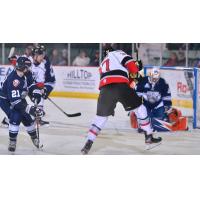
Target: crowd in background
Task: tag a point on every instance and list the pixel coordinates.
(82, 54)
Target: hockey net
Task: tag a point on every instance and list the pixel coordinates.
(184, 84)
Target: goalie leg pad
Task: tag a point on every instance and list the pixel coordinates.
(180, 125)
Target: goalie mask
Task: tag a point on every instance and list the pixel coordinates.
(154, 75)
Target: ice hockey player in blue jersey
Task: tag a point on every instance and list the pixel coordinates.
(14, 89)
(43, 76)
(156, 94)
(33, 92)
(156, 98)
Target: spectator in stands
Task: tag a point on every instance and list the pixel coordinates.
(172, 61)
(95, 60)
(194, 46)
(182, 60)
(197, 63)
(64, 58)
(28, 50)
(81, 60)
(54, 57)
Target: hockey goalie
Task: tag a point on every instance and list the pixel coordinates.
(157, 99)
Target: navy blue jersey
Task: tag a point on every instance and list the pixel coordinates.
(13, 89)
(31, 85)
(156, 94)
(49, 74)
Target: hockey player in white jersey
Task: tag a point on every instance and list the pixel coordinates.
(43, 75)
(114, 87)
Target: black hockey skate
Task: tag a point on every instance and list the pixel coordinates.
(5, 123)
(152, 142)
(12, 145)
(87, 147)
(36, 142)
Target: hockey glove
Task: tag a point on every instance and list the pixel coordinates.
(36, 96)
(135, 77)
(34, 111)
(24, 94)
(139, 64)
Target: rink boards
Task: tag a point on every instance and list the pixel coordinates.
(82, 82)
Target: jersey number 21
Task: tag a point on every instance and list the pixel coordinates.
(15, 93)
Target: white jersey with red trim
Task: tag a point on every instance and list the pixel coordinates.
(115, 68)
(38, 72)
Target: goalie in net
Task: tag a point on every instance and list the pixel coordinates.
(157, 99)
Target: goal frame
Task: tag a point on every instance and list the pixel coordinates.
(195, 90)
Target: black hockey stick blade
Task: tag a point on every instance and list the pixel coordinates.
(73, 115)
(68, 115)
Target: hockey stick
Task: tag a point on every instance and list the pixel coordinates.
(11, 53)
(37, 118)
(136, 50)
(68, 115)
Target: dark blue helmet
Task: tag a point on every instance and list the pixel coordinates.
(23, 63)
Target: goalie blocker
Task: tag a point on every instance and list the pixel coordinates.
(176, 122)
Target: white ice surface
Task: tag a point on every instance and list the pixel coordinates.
(66, 136)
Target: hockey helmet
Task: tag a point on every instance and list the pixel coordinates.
(23, 63)
(42, 47)
(154, 74)
(38, 50)
(107, 49)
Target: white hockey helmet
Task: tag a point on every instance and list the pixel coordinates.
(154, 74)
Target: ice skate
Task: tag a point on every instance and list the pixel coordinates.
(87, 147)
(36, 142)
(12, 145)
(152, 142)
(5, 123)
